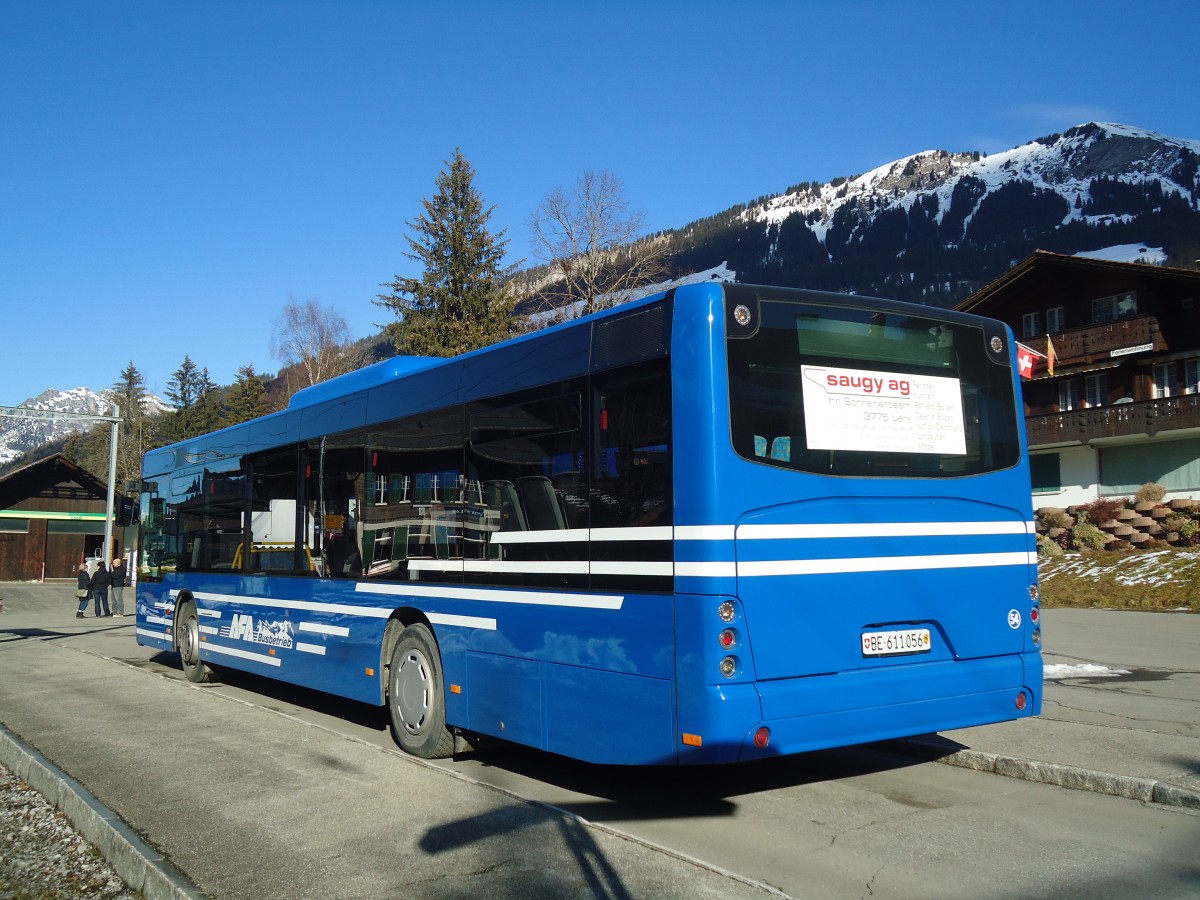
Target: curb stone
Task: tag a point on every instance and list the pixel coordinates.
(1146, 790)
(137, 863)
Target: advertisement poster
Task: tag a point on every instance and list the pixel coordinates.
(860, 409)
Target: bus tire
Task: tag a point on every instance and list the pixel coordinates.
(187, 638)
(416, 696)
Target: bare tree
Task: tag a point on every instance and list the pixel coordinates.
(593, 245)
(314, 338)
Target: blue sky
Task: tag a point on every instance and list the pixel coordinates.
(172, 172)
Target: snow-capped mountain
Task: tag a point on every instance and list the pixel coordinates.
(1065, 164)
(19, 435)
(935, 225)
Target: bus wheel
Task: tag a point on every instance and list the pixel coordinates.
(187, 636)
(416, 698)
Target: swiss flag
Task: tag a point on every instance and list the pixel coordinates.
(1026, 360)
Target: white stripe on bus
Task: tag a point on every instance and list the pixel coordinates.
(492, 595)
(479, 622)
(241, 654)
(883, 564)
(879, 529)
(499, 566)
(338, 630)
(752, 531)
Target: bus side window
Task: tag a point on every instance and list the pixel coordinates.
(631, 477)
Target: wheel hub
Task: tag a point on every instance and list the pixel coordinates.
(410, 692)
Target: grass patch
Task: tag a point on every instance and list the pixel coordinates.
(1149, 580)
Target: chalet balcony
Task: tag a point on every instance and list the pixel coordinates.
(1082, 346)
(1146, 418)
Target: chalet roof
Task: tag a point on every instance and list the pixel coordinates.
(31, 480)
(1043, 262)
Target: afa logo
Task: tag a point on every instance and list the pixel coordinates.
(242, 627)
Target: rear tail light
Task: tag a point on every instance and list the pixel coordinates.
(729, 666)
(1021, 700)
(762, 737)
(728, 638)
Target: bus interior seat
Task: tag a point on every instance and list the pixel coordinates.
(344, 558)
(542, 511)
(760, 445)
(781, 448)
(502, 495)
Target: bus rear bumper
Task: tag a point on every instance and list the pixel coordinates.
(822, 711)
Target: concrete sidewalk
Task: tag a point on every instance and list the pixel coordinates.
(1121, 711)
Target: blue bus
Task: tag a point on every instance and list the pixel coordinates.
(721, 523)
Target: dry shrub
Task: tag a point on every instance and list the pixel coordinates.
(1150, 493)
(1051, 517)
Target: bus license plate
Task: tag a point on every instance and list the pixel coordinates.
(896, 643)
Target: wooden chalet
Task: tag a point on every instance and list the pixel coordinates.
(51, 518)
(1122, 405)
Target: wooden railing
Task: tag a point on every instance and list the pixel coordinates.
(1149, 417)
(1093, 342)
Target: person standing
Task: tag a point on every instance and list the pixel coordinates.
(118, 588)
(101, 579)
(83, 590)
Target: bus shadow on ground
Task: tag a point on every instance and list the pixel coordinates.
(278, 695)
(643, 792)
(623, 792)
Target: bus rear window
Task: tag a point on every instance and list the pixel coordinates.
(845, 391)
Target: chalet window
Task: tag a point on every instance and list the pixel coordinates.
(1162, 380)
(1191, 376)
(1096, 390)
(14, 526)
(1054, 319)
(1117, 306)
(1031, 324)
(1044, 472)
(1068, 395)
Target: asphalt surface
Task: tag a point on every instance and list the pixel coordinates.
(1125, 720)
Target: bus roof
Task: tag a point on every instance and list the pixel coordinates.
(368, 376)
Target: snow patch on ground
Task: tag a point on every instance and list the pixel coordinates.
(1152, 568)
(1060, 671)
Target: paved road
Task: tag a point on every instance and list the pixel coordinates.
(255, 791)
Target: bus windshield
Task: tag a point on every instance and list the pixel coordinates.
(840, 390)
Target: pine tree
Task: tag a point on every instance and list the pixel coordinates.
(460, 302)
(197, 403)
(207, 413)
(247, 398)
(136, 434)
(182, 388)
